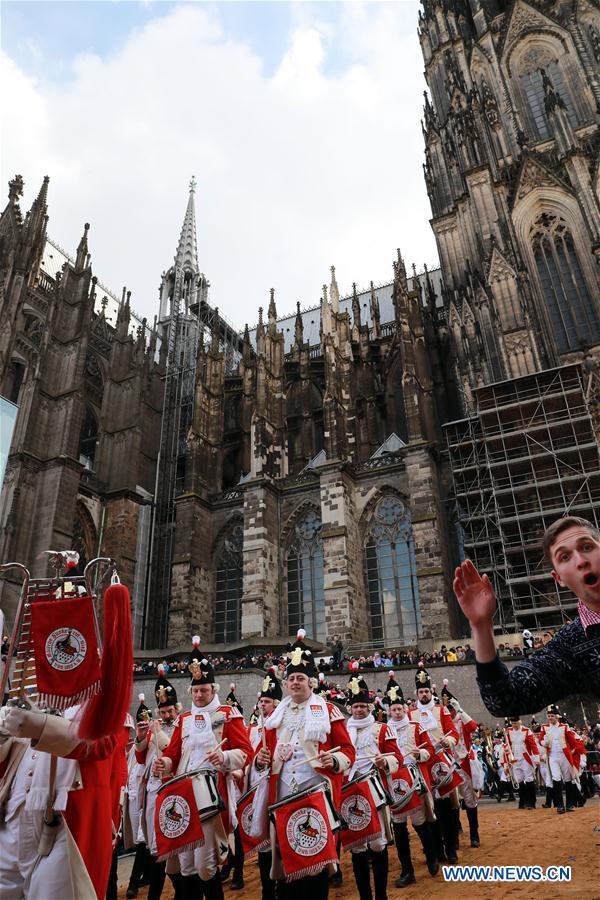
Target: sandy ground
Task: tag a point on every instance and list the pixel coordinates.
(508, 837)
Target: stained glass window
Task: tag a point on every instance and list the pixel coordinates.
(306, 595)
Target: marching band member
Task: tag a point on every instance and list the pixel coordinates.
(232, 700)
(375, 746)
(523, 759)
(544, 769)
(466, 728)
(268, 699)
(501, 755)
(437, 722)
(152, 737)
(196, 741)
(561, 745)
(415, 747)
(133, 835)
(307, 744)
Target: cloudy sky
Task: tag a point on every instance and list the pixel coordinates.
(300, 122)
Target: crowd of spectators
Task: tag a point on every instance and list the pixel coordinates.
(338, 660)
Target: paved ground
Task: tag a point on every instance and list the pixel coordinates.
(508, 837)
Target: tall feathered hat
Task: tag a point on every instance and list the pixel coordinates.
(143, 714)
(357, 691)
(271, 686)
(393, 694)
(200, 669)
(321, 687)
(232, 700)
(422, 679)
(164, 691)
(300, 659)
(391, 682)
(553, 710)
(447, 696)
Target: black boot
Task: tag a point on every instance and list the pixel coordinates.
(426, 836)
(362, 874)
(379, 861)
(175, 880)
(213, 888)
(571, 793)
(558, 796)
(532, 795)
(157, 880)
(237, 881)
(137, 871)
(436, 828)
(473, 825)
(192, 887)
(264, 867)
(548, 803)
(521, 795)
(448, 829)
(458, 828)
(511, 793)
(407, 875)
(500, 791)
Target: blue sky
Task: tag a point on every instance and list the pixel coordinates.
(300, 122)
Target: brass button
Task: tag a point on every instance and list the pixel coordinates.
(34, 755)
(30, 773)
(27, 789)
(77, 784)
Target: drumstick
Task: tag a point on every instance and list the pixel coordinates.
(155, 732)
(263, 732)
(312, 758)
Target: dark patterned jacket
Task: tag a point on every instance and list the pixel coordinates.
(569, 664)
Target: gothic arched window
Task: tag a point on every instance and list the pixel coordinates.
(229, 575)
(533, 89)
(88, 439)
(572, 313)
(392, 576)
(306, 594)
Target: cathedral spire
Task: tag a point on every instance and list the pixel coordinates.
(187, 251)
(82, 250)
(334, 293)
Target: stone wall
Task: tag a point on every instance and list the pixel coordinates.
(461, 680)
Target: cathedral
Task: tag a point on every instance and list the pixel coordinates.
(328, 467)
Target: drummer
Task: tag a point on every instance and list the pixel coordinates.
(376, 748)
(437, 722)
(416, 747)
(268, 699)
(150, 735)
(301, 734)
(211, 736)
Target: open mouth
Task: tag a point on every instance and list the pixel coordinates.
(590, 579)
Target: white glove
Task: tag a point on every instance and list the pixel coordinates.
(582, 762)
(21, 723)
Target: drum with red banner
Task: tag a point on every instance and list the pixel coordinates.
(245, 813)
(444, 773)
(305, 824)
(362, 798)
(177, 823)
(406, 787)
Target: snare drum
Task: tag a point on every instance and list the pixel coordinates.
(332, 814)
(206, 793)
(406, 787)
(445, 773)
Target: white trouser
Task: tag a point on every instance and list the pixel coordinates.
(149, 817)
(560, 768)
(466, 792)
(23, 873)
(545, 774)
(416, 816)
(205, 861)
(522, 771)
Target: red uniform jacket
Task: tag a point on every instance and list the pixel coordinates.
(530, 743)
(337, 737)
(467, 729)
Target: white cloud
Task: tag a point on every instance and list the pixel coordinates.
(296, 170)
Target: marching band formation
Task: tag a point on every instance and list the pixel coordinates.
(198, 792)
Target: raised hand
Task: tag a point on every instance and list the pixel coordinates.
(475, 594)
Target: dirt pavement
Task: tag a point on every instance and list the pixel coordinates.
(508, 837)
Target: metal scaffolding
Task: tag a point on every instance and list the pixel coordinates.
(528, 456)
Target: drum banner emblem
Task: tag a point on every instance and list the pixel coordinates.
(360, 814)
(245, 812)
(305, 837)
(67, 662)
(176, 822)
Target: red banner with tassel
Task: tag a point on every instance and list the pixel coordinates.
(67, 662)
(177, 824)
(305, 837)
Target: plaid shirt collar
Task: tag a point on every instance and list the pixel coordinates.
(588, 616)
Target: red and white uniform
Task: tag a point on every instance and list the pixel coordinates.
(523, 753)
(415, 747)
(370, 738)
(561, 744)
(437, 722)
(149, 784)
(502, 760)
(298, 732)
(465, 727)
(196, 733)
